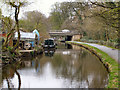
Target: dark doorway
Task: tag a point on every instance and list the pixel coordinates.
(68, 38)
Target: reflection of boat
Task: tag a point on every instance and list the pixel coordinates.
(49, 43)
(49, 52)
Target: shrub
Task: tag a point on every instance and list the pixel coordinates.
(109, 43)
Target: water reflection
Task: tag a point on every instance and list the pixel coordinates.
(63, 46)
(49, 52)
(64, 68)
(8, 73)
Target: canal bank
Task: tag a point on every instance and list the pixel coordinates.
(68, 66)
(8, 58)
(109, 63)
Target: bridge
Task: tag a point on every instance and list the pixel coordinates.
(65, 35)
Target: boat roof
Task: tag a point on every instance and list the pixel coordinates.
(49, 39)
(25, 35)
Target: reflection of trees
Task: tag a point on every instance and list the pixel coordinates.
(61, 45)
(64, 46)
(19, 79)
(84, 54)
(37, 64)
(85, 68)
(68, 46)
(79, 66)
(8, 73)
(8, 83)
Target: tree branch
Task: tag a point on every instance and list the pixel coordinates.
(102, 5)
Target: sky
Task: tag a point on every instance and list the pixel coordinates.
(44, 6)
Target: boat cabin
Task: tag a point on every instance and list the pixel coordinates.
(49, 43)
(28, 40)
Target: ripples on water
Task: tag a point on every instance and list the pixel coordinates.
(66, 67)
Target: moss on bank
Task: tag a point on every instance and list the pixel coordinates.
(107, 61)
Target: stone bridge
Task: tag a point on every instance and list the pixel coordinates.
(65, 35)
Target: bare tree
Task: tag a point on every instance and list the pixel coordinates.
(16, 5)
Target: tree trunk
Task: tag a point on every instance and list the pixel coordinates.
(107, 35)
(17, 24)
(7, 38)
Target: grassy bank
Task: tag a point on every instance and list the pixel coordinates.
(109, 63)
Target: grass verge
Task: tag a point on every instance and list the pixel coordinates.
(109, 63)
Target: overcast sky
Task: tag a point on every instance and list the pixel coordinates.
(44, 6)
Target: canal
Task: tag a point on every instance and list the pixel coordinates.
(65, 67)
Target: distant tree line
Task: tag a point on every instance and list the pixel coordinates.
(35, 20)
(95, 20)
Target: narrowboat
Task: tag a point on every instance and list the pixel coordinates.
(49, 43)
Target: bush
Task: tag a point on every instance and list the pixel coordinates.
(101, 42)
(10, 48)
(109, 43)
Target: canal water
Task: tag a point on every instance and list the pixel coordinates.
(65, 67)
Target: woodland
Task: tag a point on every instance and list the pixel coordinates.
(96, 21)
